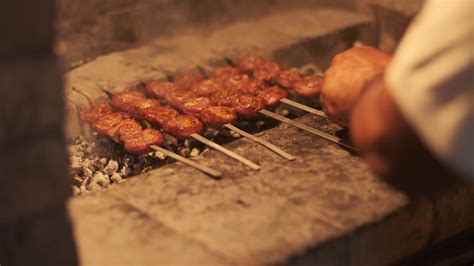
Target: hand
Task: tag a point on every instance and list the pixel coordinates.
(391, 148)
(346, 78)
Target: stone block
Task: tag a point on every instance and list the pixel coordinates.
(128, 235)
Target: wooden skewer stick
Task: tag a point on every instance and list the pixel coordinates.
(200, 167)
(263, 142)
(307, 128)
(226, 151)
(303, 107)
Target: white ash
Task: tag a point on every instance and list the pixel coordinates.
(97, 163)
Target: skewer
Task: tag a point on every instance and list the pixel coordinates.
(303, 107)
(226, 151)
(263, 142)
(186, 161)
(307, 128)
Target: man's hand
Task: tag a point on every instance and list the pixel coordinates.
(345, 79)
(391, 148)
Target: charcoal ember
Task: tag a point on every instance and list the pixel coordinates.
(75, 163)
(126, 171)
(76, 190)
(103, 161)
(87, 172)
(128, 160)
(210, 133)
(111, 167)
(184, 152)
(159, 155)
(234, 134)
(78, 140)
(99, 179)
(116, 178)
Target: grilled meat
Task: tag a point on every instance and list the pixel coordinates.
(182, 126)
(218, 116)
(94, 112)
(272, 95)
(308, 87)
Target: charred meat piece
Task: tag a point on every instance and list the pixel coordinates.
(131, 103)
(287, 78)
(194, 106)
(159, 89)
(253, 86)
(218, 116)
(308, 87)
(224, 97)
(236, 82)
(94, 112)
(267, 71)
(224, 72)
(248, 105)
(187, 81)
(207, 87)
(178, 97)
(128, 128)
(109, 125)
(159, 115)
(182, 126)
(140, 142)
(248, 64)
(272, 95)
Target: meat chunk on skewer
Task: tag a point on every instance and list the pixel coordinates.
(159, 89)
(224, 72)
(179, 97)
(133, 103)
(207, 87)
(94, 112)
(224, 97)
(308, 87)
(182, 126)
(109, 125)
(253, 86)
(196, 105)
(128, 128)
(159, 115)
(120, 128)
(187, 81)
(218, 116)
(140, 142)
(272, 95)
(236, 82)
(287, 78)
(248, 64)
(267, 71)
(248, 105)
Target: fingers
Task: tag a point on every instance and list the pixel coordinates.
(391, 148)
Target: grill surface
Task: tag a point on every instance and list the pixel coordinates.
(325, 206)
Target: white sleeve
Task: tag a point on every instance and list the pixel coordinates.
(431, 80)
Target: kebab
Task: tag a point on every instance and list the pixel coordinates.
(194, 97)
(235, 92)
(272, 72)
(272, 96)
(122, 129)
(181, 126)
